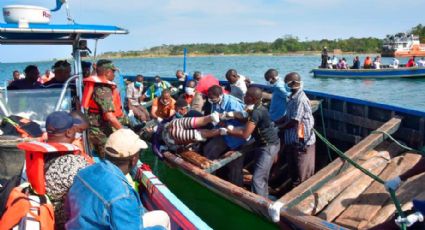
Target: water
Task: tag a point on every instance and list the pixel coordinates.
(407, 93)
(215, 210)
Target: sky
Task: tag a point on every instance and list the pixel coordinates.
(156, 22)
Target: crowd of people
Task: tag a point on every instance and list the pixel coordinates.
(334, 62)
(197, 113)
(265, 124)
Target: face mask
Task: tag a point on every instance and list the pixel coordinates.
(275, 82)
(189, 91)
(287, 88)
(137, 84)
(78, 135)
(250, 107)
(219, 100)
(181, 79)
(165, 102)
(179, 115)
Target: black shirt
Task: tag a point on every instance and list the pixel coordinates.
(265, 132)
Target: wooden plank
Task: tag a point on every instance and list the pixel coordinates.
(408, 191)
(342, 136)
(352, 119)
(314, 203)
(247, 199)
(326, 173)
(367, 123)
(217, 164)
(368, 203)
(349, 195)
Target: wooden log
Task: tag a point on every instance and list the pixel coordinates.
(246, 199)
(406, 193)
(196, 159)
(313, 183)
(326, 173)
(359, 214)
(314, 203)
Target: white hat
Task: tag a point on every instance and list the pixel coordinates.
(125, 143)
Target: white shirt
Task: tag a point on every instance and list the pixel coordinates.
(377, 64)
(239, 89)
(421, 63)
(396, 62)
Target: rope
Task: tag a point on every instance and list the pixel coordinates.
(324, 131)
(365, 171)
(398, 143)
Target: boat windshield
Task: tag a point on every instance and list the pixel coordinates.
(34, 104)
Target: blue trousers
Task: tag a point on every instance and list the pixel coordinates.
(264, 156)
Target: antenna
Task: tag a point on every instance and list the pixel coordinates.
(59, 4)
(68, 12)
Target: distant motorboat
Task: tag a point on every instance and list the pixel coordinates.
(402, 45)
(413, 72)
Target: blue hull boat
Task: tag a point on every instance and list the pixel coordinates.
(417, 72)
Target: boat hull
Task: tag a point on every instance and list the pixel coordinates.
(339, 112)
(370, 73)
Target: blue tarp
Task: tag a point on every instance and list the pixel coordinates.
(11, 33)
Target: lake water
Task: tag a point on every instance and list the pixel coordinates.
(408, 93)
(215, 210)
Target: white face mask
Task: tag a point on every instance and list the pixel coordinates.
(78, 135)
(219, 100)
(190, 91)
(249, 107)
(275, 82)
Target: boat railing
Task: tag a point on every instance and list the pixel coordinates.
(63, 92)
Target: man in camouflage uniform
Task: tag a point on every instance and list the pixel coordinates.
(103, 108)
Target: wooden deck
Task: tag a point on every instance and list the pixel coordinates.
(355, 201)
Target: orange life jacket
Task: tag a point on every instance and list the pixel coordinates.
(27, 211)
(88, 102)
(35, 153)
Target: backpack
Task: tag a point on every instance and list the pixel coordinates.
(27, 210)
(19, 126)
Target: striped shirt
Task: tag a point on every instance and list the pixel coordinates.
(298, 108)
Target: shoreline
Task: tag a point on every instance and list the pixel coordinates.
(292, 54)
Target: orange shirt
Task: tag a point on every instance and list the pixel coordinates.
(163, 111)
(188, 98)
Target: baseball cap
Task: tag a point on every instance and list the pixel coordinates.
(125, 143)
(106, 64)
(60, 121)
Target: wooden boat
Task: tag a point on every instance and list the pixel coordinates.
(41, 102)
(385, 73)
(357, 127)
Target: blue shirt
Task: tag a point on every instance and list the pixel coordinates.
(229, 104)
(278, 103)
(102, 198)
(157, 90)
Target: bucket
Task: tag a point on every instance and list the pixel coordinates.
(12, 159)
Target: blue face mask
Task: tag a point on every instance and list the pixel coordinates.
(178, 115)
(288, 89)
(137, 84)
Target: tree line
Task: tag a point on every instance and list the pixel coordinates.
(283, 45)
